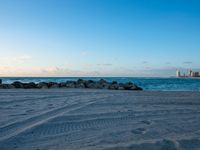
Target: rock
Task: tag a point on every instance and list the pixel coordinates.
(42, 85)
(93, 85)
(50, 84)
(114, 86)
(102, 81)
(105, 85)
(131, 86)
(0, 81)
(136, 88)
(80, 85)
(70, 84)
(55, 85)
(62, 84)
(120, 88)
(17, 84)
(127, 86)
(6, 86)
(30, 85)
(114, 82)
(80, 81)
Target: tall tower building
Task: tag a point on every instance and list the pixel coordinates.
(190, 74)
(178, 73)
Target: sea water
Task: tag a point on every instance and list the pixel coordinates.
(154, 84)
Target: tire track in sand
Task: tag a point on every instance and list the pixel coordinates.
(19, 127)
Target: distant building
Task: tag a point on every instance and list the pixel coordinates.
(178, 73)
(196, 74)
(190, 74)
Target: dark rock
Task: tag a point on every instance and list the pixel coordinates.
(102, 81)
(90, 85)
(70, 84)
(55, 85)
(127, 86)
(0, 81)
(6, 86)
(114, 82)
(136, 88)
(42, 85)
(30, 85)
(131, 86)
(62, 84)
(18, 84)
(121, 88)
(93, 85)
(50, 84)
(114, 86)
(80, 81)
(80, 85)
(105, 85)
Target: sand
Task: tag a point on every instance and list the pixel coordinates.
(99, 119)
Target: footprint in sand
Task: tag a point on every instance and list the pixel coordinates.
(147, 122)
(139, 131)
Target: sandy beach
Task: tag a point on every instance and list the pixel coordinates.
(98, 119)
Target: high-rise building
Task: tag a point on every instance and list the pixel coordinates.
(190, 74)
(196, 74)
(178, 73)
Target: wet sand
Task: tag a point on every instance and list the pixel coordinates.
(99, 119)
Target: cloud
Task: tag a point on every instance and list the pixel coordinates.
(84, 53)
(187, 62)
(20, 59)
(168, 63)
(144, 62)
(105, 64)
(44, 71)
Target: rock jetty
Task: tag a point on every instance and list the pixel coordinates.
(80, 83)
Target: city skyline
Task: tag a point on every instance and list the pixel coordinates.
(99, 38)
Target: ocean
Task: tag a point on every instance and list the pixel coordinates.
(150, 84)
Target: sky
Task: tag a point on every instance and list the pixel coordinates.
(133, 38)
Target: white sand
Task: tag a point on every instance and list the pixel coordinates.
(99, 119)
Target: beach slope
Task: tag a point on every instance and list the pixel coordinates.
(44, 119)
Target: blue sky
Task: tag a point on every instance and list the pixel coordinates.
(98, 37)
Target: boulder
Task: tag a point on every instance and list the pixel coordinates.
(17, 84)
(136, 88)
(120, 88)
(6, 86)
(131, 86)
(105, 85)
(113, 86)
(62, 85)
(81, 81)
(70, 84)
(80, 85)
(50, 84)
(114, 82)
(102, 81)
(93, 85)
(42, 85)
(55, 85)
(30, 85)
(128, 85)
